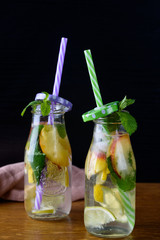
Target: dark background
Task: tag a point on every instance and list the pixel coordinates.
(124, 37)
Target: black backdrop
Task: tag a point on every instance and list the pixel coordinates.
(124, 38)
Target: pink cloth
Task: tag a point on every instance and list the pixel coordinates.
(12, 182)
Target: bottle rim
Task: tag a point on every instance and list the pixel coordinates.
(55, 100)
(106, 121)
(55, 108)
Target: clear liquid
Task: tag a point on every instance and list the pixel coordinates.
(47, 189)
(117, 228)
(110, 186)
(56, 200)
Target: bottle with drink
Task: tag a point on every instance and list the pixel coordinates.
(48, 161)
(110, 168)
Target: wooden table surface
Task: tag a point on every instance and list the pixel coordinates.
(15, 224)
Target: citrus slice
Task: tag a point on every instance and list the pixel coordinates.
(66, 177)
(30, 174)
(98, 193)
(44, 211)
(112, 201)
(96, 216)
(95, 163)
(55, 148)
(102, 176)
(109, 198)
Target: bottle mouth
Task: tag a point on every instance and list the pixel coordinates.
(104, 121)
(55, 108)
(110, 119)
(58, 104)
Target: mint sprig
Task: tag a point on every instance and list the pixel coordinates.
(35, 155)
(45, 105)
(125, 103)
(128, 121)
(33, 103)
(126, 184)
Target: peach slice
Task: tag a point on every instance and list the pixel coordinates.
(95, 163)
(56, 149)
(122, 157)
(100, 162)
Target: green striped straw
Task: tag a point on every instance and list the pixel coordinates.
(93, 77)
(130, 212)
(92, 73)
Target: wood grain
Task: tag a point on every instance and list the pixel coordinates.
(15, 224)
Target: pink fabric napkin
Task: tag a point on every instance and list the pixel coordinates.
(12, 182)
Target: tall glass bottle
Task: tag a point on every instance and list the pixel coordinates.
(48, 164)
(110, 181)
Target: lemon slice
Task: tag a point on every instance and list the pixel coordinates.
(43, 211)
(96, 216)
(66, 177)
(56, 149)
(98, 193)
(111, 200)
(30, 174)
(102, 176)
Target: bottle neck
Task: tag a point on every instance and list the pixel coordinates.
(108, 126)
(55, 116)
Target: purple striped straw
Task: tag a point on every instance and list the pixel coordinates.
(59, 69)
(58, 75)
(56, 87)
(38, 199)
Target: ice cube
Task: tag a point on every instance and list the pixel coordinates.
(101, 146)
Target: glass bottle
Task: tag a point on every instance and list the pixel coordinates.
(110, 181)
(47, 187)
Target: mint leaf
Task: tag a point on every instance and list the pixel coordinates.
(30, 104)
(45, 105)
(126, 184)
(35, 156)
(128, 121)
(125, 103)
(61, 130)
(45, 108)
(38, 164)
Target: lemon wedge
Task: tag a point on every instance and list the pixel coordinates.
(102, 176)
(98, 193)
(55, 148)
(96, 216)
(111, 200)
(44, 211)
(66, 177)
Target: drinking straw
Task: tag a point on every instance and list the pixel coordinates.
(56, 87)
(39, 193)
(59, 69)
(93, 77)
(124, 196)
(128, 207)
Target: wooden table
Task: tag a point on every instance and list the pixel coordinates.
(15, 224)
